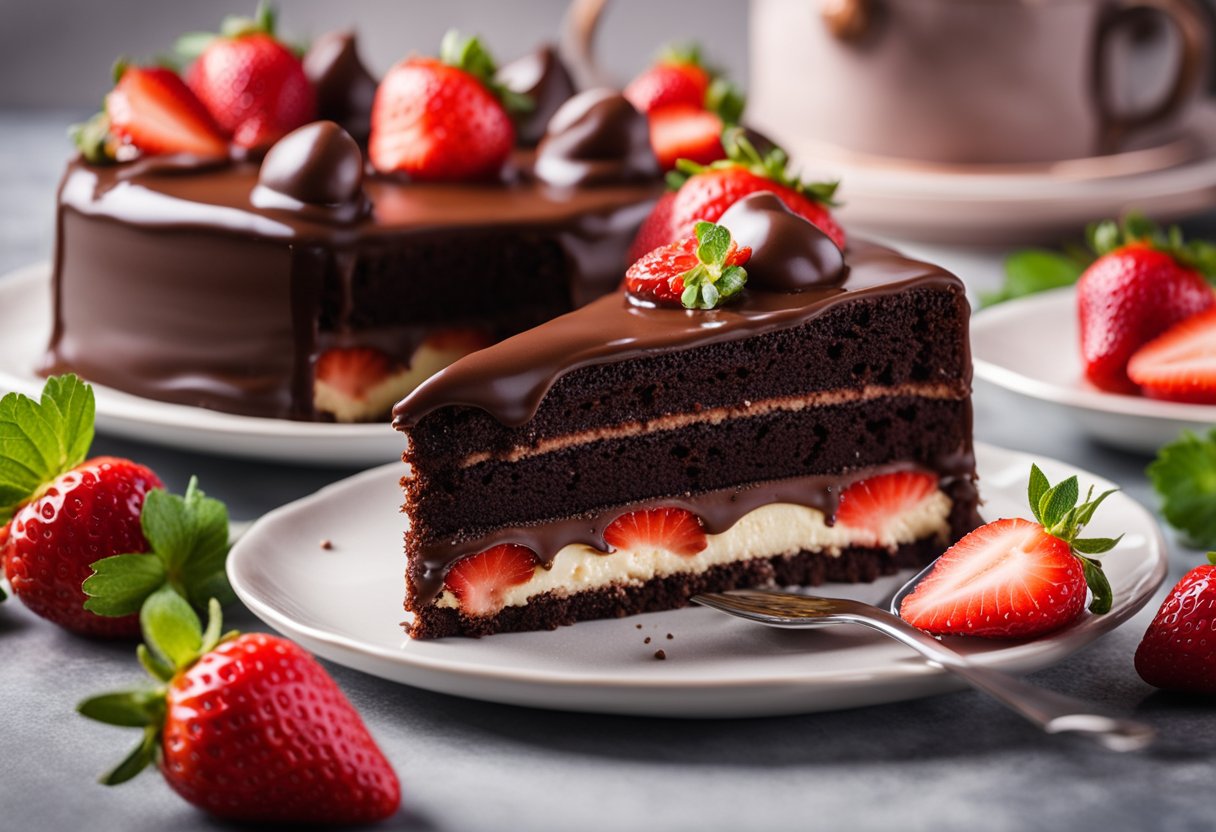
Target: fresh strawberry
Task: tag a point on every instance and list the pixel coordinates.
(674, 530)
(479, 580)
(708, 191)
(86, 542)
(246, 727)
(152, 110)
(677, 79)
(875, 504)
(1015, 578)
(684, 132)
(1181, 364)
(354, 371)
(699, 272)
(252, 84)
(443, 119)
(1143, 283)
(1178, 651)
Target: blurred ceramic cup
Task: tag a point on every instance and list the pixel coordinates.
(976, 81)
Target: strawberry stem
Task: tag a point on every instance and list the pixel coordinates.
(1110, 235)
(712, 282)
(470, 55)
(774, 165)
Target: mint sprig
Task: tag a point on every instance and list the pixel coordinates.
(1184, 475)
(1057, 510)
(39, 440)
(175, 640)
(468, 53)
(189, 540)
(773, 165)
(711, 282)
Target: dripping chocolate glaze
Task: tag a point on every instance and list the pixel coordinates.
(509, 379)
(345, 89)
(542, 77)
(718, 510)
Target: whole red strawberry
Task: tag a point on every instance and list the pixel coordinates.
(708, 191)
(152, 110)
(677, 78)
(1178, 651)
(443, 119)
(248, 728)
(1014, 578)
(702, 271)
(252, 84)
(62, 512)
(1142, 283)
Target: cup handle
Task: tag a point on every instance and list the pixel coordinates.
(1191, 24)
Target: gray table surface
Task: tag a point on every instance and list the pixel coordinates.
(957, 761)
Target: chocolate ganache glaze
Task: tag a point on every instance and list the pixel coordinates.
(344, 87)
(789, 253)
(542, 77)
(596, 138)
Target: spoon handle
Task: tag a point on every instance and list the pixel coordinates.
(1053, 712)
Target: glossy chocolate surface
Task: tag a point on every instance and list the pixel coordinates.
(344, 87)
(509, 379)
(543, 77)
(789, 254)
(596, 138)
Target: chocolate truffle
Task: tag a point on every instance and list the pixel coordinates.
(789, 254)
(317, 164)
(597, 137)
(542, 77)
(344, 87)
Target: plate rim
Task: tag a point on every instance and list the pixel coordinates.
(1045, 651)
(1085, 398)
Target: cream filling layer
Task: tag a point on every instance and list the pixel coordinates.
(769, 531)
(717, 415)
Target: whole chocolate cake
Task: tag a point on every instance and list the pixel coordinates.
(784, 415)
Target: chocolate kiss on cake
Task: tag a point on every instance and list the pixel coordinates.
(597, 137)
(789, 254)
(345, 89)
(542, 77)
(317, 166)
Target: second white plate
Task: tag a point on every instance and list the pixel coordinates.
(25, 330)
(345, 603)
(1032, 346)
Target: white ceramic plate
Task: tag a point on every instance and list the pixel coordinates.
(25, 328)
(345, 603)
(1031, 346)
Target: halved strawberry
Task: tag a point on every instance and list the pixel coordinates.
(1181, 364)
(1015, 578)
(674, 530)
(686, 132)
(355, 371)
(875, 504)
(478, 581)
(152, 109)
(699, 272)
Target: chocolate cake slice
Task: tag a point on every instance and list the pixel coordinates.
(625, 456)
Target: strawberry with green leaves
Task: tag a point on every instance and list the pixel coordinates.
(68, 516)
(1015, 578)
(445, 119)
(246, 727)
(702, 271)
(252, 83)
(704, 192)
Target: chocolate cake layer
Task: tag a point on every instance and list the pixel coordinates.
(170, 283)
(550, 611)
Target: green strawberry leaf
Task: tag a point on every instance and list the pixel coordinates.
(713, 242)
(1036, 270)
(470, 54)
(774, 165)
(1095, 545)
(142, 756)
(1099, 586)
(1184, 475)
(119, 584)
(41, 440)
(725, 100)
(1037, 487)
(711, 282)
(129, 709)
(171, 628)
(1057, 501)
(156, 667)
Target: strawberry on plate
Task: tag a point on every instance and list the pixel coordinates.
(1179, 365)
(705, 192)
(674, 530)
(877, 503)
(246, 727)
(1178, 651)
(444, 119)
(702, 271)
(1143, 282)
(479, 580)
(1015, 578)
(87, 541)
(152, 110)
(253, 85)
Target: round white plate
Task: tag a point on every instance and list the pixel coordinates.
(25, 330)
(1031, 346)
(345, 603)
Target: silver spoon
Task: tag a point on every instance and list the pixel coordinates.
(1053, 712)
